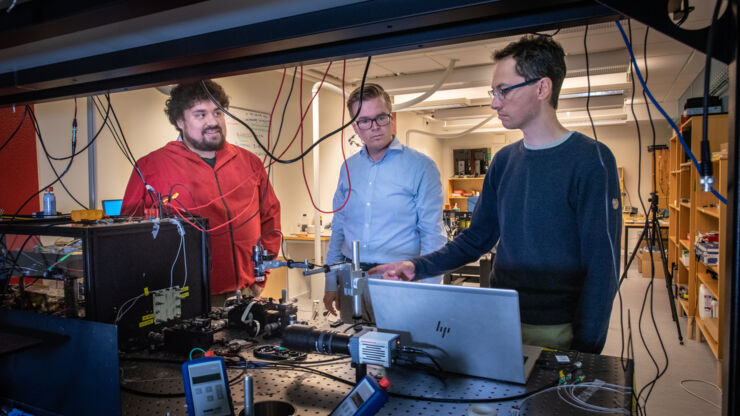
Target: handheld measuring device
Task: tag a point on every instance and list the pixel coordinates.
(207, 387)
(365, 399)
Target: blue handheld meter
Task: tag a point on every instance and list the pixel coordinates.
(364, 400)
(207, 387)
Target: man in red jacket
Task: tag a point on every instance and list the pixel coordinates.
(204, 175)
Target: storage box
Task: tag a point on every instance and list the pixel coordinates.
(707, 253)
(646, 259)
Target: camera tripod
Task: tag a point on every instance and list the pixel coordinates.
(651, 231)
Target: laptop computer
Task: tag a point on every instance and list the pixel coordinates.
(469, 330)
(112, 207)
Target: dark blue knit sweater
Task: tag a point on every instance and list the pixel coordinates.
(556, 216)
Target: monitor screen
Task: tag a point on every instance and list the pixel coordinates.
(112, 207)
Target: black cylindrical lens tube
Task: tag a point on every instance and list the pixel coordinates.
(309, 339)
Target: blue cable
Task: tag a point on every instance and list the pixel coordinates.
(665, 115)
(196, 349)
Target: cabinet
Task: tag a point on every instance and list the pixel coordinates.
(693, 211)
(468, 185)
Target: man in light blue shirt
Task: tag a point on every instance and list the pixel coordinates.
(395, 206)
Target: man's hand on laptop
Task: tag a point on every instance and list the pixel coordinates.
(400, 270)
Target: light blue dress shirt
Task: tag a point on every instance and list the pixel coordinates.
(394, 211)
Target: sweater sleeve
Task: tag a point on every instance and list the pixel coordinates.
(473, 242)
(599, 228)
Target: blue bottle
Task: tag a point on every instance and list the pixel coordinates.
(50, 203)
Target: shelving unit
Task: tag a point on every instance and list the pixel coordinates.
(466, 184)
(693, 211)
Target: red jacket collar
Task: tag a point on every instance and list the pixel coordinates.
(228, 152)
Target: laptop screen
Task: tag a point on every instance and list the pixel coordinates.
(112, 207)
(470, 330)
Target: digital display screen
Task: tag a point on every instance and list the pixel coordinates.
(357, 399)
(206, 378)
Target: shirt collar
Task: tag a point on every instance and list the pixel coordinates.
(394, 146)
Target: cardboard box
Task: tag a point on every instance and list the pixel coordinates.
(656, 260)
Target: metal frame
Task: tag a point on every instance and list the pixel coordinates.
(360, 29)
(384, 26)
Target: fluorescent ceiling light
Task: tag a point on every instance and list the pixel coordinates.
(595, 80)
(438, 104)
(593, 94)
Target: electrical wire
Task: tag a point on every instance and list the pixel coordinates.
(639, 135)
(310, 148)
(344, 156)
(296, 367)
(662, 111)
(303, 114)
(269, 124)
(683, 386)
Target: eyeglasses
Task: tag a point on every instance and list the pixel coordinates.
(382, 119)
(500, 93)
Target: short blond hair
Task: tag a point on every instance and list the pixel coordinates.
(369, 92)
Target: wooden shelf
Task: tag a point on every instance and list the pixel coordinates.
(684, 305)
(712, 212)
(711, 284)
(709, 327)
(673, 206)
(697, 215)
(672, 239)
(468, 185)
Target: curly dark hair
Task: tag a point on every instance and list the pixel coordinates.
(368, 93)
(536, 57)
(186, 94)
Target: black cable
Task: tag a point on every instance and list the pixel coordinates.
(310, 148)
(647, 105)
(548, 35)
(25, 111)
(48, 156)
(706, 155)
(588, 84)
(285, 108)
(639, 135)
(95, 137)
(295, 367)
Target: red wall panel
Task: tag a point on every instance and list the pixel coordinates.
(19, 177)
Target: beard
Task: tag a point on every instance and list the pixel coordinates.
(203, 144)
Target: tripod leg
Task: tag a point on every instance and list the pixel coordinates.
(627, 265)
(668, 274)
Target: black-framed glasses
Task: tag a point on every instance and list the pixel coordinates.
(382, 119)
(500, 93)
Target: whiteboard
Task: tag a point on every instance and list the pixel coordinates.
(238, 135)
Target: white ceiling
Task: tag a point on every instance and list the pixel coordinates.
(672, 67)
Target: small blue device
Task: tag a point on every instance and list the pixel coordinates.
(364, 400)
(207, 387)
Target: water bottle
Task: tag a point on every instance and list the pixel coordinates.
(50, 203)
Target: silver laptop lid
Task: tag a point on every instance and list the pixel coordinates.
(469, 330)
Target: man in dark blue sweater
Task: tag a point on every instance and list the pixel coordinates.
(551, 202)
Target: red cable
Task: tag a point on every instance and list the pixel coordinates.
(304, 114)
(269, 125)
(179, 213)
(346, 168)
